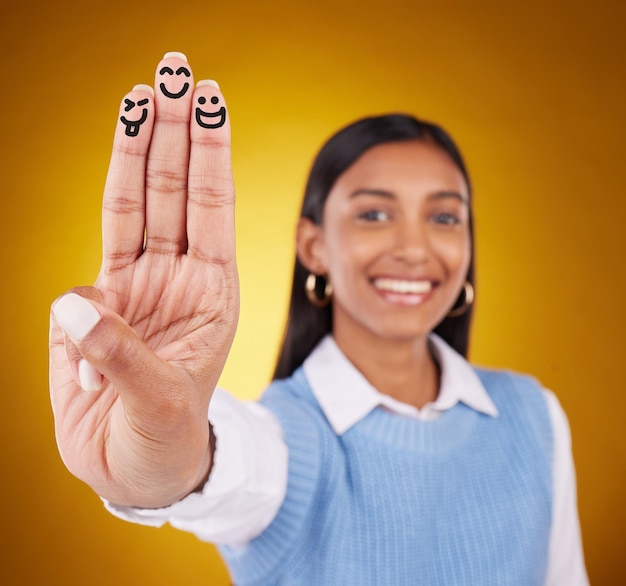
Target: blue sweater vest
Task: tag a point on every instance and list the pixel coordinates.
(465, 499)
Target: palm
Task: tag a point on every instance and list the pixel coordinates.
(170, 304)
(169, 272)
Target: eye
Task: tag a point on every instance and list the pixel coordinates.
(374, 216)
(445, 219)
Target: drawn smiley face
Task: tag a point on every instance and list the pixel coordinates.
(180, 71)
(132, 126)
(217, 118)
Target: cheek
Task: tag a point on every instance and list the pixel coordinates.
(455, 253)
(351, 252)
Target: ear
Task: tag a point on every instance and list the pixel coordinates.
(310, 246)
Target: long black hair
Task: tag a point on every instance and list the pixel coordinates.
(308, 324)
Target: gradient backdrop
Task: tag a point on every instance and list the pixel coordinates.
(533, 91)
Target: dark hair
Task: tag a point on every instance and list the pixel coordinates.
(308, 324)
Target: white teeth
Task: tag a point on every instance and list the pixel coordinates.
(398, 286)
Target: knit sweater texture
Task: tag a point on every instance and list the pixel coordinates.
(465, 499)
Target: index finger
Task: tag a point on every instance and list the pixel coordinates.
(211, 192)
(123, 207)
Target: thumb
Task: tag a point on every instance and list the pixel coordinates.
(104, 343)
(76, 317)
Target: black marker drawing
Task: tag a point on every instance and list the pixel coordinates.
(220, 114)
(181, 70)
(132, 126)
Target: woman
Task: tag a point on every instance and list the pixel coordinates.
(378, 455)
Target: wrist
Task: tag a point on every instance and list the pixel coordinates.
(207, 465)
(150, 477)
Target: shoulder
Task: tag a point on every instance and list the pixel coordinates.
(293, 397)
(524, 404)
(302, 420)
(502, 378)
(507, 387)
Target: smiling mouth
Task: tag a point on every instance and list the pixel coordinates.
(404, 292)
(403, 286)
(132, 126)
(220, 115)
(174, 95)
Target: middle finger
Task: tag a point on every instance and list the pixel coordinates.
(168, 160)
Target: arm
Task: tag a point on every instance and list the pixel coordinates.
(566, 563)
(248, 481)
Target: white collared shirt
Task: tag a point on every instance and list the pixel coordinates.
(346, 397)
(248, 481)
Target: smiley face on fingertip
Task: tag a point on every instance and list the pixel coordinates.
(170, 92)
(207, 118)
(133, 126)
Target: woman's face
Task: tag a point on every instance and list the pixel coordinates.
(395, 241)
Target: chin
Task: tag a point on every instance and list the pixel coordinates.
(402, 332)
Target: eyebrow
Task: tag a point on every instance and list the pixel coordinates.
(379, 192)
(448, 194)
(391, 195)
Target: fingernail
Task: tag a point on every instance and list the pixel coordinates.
(175, 54)
(90, 379)
(210, 82)
(144, 87)
(75, 315)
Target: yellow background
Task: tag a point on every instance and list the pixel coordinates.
(533, 91)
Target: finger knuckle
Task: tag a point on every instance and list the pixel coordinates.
(123, 205)
(165, 181)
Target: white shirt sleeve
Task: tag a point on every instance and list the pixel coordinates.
(247, 484)
(566, 564)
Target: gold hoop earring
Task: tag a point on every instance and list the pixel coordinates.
(311, 290)
(468, 299)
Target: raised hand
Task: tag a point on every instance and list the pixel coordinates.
(153, 334)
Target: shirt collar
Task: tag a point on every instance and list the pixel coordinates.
(345, 396)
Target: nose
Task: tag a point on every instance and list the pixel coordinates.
(411, 243)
